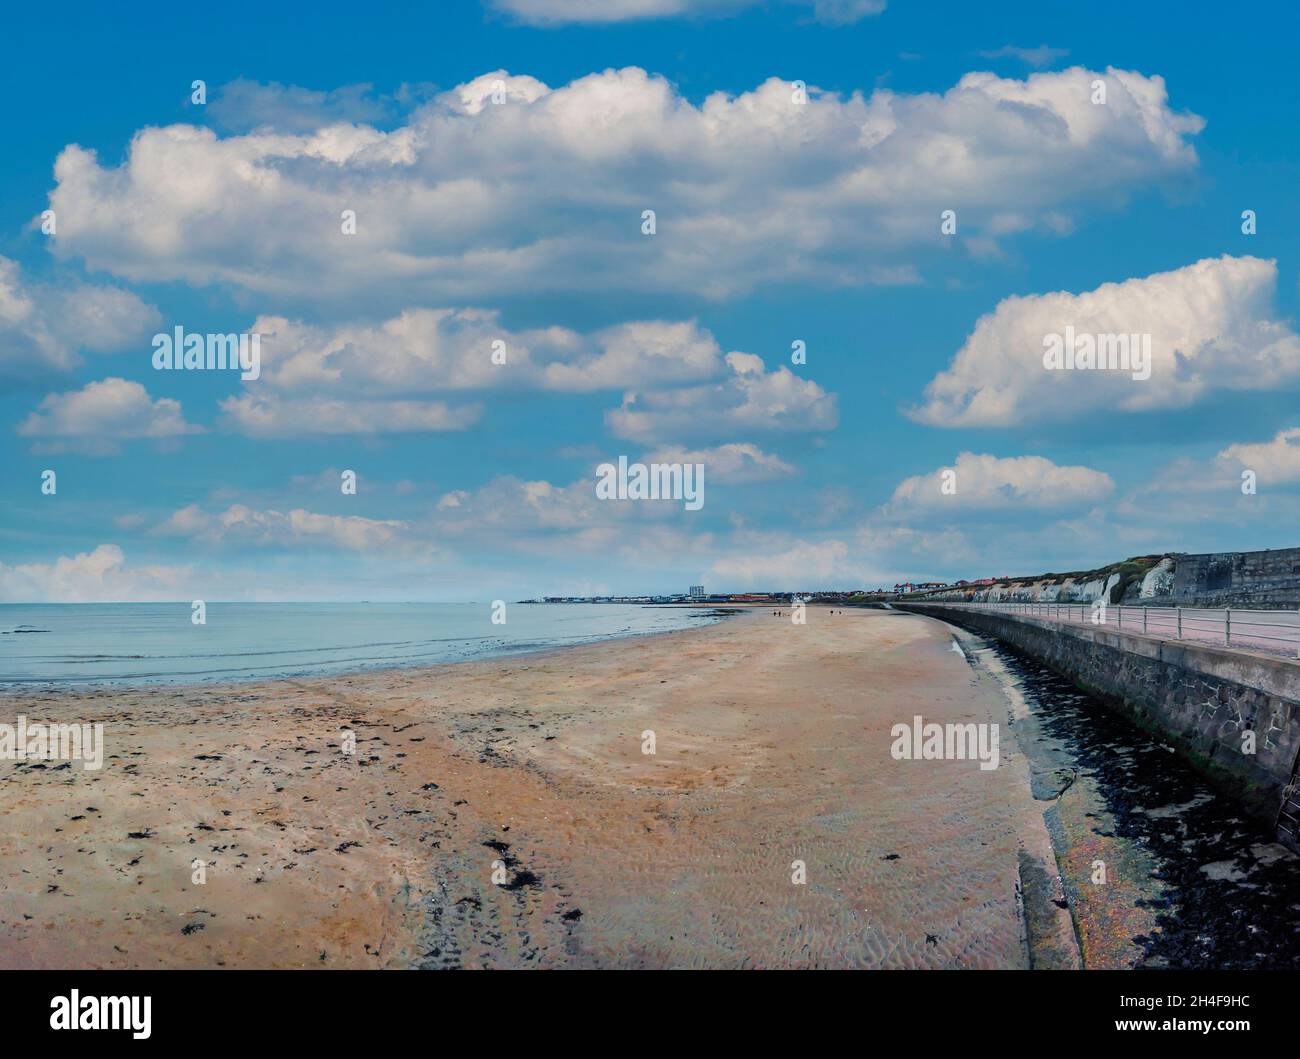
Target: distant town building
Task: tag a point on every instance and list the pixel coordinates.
(697, 592)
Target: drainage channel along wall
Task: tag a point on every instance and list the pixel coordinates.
(1199, 698)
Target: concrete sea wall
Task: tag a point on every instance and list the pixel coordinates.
(1199, 698)
(1239, 579)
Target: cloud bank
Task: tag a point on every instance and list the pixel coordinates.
(545, 191)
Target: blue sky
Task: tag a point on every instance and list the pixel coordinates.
(520, 221)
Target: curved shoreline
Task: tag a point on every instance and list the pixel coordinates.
(234, 676)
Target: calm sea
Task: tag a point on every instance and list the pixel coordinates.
(157, 642)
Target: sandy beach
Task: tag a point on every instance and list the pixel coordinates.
(503, 814)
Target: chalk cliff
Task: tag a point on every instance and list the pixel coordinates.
(1268, 580)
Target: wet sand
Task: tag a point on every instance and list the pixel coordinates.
(1187, 879)
(502, 814)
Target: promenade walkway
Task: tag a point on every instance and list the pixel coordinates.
(1275, 632)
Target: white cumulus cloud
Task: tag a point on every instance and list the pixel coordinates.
(546, 190)
(102, 413)
(44, 327)
(271, 416)
(99, 576)
(980, 481)
(424, 350)
(240, 524)
(1274, 461)
(605, 12)
(1211, 323)
(734, 463)
(751, 398)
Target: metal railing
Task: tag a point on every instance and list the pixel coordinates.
(1273, 631)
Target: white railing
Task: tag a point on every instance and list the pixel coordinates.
(1274, 631)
